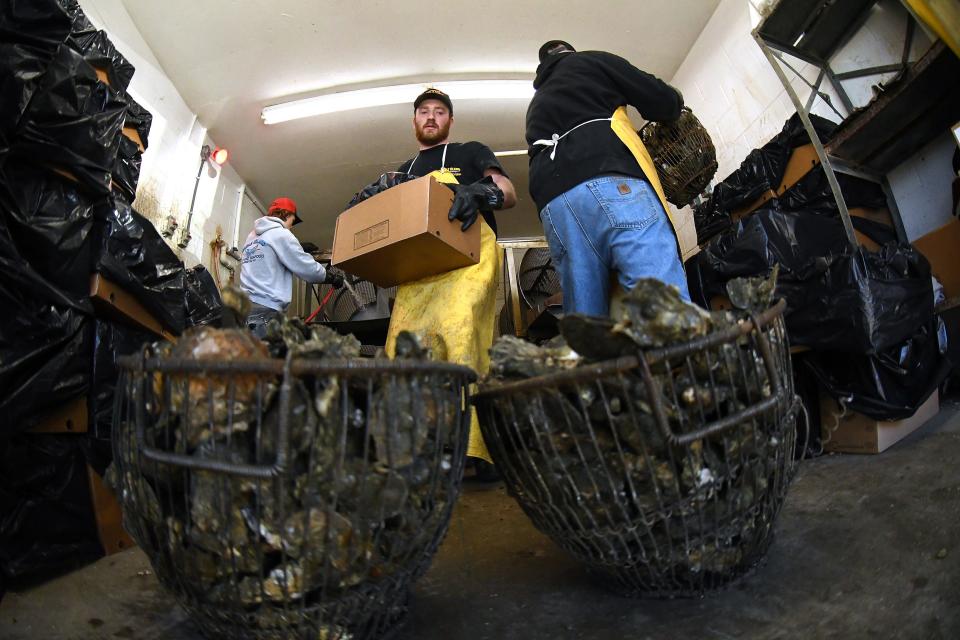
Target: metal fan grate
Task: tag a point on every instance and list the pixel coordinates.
(537, 278)
(346, 305)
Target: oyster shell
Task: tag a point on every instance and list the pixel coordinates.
(223, 401)
(753, 294)
(654, 315)
(513, 358)
(594, 337)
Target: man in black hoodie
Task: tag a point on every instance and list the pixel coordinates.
(600, 200)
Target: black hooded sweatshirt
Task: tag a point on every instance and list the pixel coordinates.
(573, 88)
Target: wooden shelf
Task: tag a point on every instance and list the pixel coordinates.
(812, 30)
(71, 417)
(112, 301)
(134, 135)
(923, 104)
(107, 515)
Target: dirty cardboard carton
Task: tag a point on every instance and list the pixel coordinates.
(857, 433)
(402, 235)
(940, 248)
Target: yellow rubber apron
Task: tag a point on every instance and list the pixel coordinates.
(454, 313)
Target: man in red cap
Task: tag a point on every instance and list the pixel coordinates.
(272, 255)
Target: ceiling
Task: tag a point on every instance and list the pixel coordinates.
(230, 58)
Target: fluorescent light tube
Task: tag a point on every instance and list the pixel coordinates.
(515, 152)
(397, 94)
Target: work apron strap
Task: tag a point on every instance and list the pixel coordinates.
(554, 140)
(443, 160)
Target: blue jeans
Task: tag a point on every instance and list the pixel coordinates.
(610, 223)
(258, 318)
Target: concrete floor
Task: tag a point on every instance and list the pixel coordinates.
(866, 547)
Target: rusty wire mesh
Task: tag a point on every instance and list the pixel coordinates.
(664, 472)
(684, 155)
(295, 499)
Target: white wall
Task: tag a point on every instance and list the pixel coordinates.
(731, 87)
(172, 159)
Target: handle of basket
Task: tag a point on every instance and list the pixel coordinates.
(278, 468)
(650, 123)
(777, 396)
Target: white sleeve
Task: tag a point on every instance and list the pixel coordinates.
(294, 258)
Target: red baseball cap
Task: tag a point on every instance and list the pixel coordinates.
(287, 205)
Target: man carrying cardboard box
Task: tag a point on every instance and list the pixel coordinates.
(455, 311)
(272, 255)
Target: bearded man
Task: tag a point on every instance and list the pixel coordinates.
(483, 184)
(455, 311)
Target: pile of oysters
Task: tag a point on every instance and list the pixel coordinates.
(372, 465)
(590, 461)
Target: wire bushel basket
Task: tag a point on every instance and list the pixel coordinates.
(290, 498)
(684, 155)
(664, 471)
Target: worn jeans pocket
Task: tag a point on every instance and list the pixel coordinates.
(628, 203)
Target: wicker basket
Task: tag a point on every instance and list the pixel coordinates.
(666, 487)
(290, 499)
(683, 154)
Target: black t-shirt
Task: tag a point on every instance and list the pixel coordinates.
(466, 162)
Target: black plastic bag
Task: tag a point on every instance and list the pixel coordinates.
(50, 223)
(47, 523)
(139, 119)
(889, 385)
(131, 254)
(864, 302)
(81, 24)
(201, 297)
(796, 241)
(762, 170)
(111, 340)
(97, 49)
(709, 222)
(812, 194)
(837, 297)
(72, 122)
(384, 182)
(126, 168)
(807, 388)
(45, 343)
(31, 31)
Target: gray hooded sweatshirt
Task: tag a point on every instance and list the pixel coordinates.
(271, 254)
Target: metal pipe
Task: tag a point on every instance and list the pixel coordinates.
(185, 239)
(814, 139)
(236, 223)
(275, 366)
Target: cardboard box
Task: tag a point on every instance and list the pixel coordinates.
(940, 248)
(402, 235)
(857, 433)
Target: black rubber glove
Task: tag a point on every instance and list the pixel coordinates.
(333, 278)
(471, 199)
